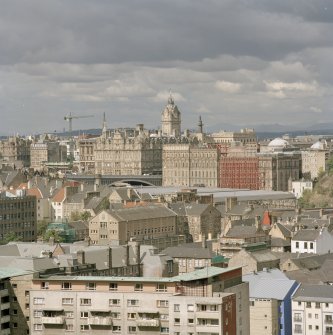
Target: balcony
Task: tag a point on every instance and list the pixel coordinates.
(53, 320)
(4, 293)
(100, 321)
(141, 322)
(297, 319)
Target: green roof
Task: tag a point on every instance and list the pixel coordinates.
(8, 272)
(220, 259)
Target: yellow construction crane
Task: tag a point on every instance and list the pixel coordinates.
(70, 117)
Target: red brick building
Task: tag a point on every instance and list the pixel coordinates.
(239, 172)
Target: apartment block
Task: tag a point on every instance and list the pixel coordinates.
(312, 310)
(204, 302)
(18, 215)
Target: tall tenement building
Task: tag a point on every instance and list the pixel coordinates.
(190, 164)
(18, 215)
(207, 301)
(128, 152)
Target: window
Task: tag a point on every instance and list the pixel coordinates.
(131, 329)
(177, 321)
(316, 316)
(38, 314)
(44, 285)
(132, 302)
(115, 315)
(69, 314)
(91, 286)
(317, 304)
(116, 329)
(190, 321)
(66, 286)
(14, 324)
(202, 308)
(190, 308)
(114, 302)
(308, 305)
(85, 302)
(309, 315)
(67, 301)
(69, 327)
(113, 286)
(317, 327)
(305, 245)
(164, 330)
(161, 288)
(213, 308)
(162, 303)
(38, 301)
(38, 326)
(131, 316)
(310, 327)
(297, 245)
(138, 287)
(84, 315)
(311, 245)
(164, 316)
(84, 327)
(14, 311)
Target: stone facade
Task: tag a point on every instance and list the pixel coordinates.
(128, 152)
(190, 164)
(278, 169)
(15, 149)
(171, 119)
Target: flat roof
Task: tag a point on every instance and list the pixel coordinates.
(194, 275)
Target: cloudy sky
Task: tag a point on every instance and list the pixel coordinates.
(241, 62)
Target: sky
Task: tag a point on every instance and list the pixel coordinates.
(234, 62)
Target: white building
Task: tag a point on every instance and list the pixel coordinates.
(312, 310)
(314, 241)
(299, 186)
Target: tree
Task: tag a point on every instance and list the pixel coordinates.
(10, 237)
(53, 233)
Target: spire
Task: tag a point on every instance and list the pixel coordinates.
(170, 100)
(200, 125)
(104, 127)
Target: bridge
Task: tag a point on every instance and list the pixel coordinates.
(134, 180)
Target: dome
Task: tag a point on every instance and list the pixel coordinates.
(318, 146)
(278, 142)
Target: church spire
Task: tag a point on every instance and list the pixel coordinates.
(200, 125)
(104, 127)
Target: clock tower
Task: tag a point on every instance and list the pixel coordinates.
(171, 120)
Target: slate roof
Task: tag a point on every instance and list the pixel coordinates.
(141, 213)
(243, 232)
(279, 242)
(315, 293)
(263, 256)
(306, 235)
(185, 252)
(195, 209)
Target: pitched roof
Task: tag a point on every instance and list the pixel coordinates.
(141, 212)
(306, 235)
(317, 293)
(185, 252)
(269, 284)
(59, 196)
